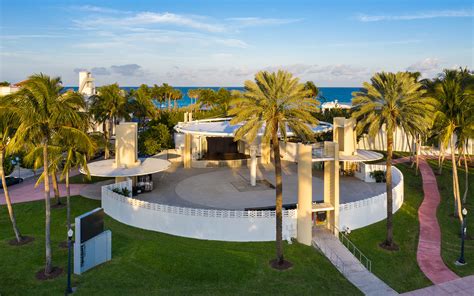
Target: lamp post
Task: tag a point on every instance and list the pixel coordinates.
(18, 162)
(69, 289)
(461, 260)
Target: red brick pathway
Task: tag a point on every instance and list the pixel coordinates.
(429, 243)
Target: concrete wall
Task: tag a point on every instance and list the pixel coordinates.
(371, 210)
(222, 225)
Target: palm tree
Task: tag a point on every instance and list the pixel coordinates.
(454, 92)
(46, 112)
(309, 85)
(273, 102)
(194, 95)
(166, 92)
(107, 106)
(390, 100)
(141, 104)
(176, 95)
(8, 123)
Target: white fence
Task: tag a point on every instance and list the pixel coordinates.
(223, 225)
(229, 225)
(371, 210)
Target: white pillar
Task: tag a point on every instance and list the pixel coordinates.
(253, 165)
(305, 195)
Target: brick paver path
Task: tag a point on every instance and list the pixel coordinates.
(429, 242)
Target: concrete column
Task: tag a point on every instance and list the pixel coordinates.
(188, 142)
(253, 165)
(331, 184)
(190, 116)
(305, 194)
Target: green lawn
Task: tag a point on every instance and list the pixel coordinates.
(151, 263)
(450, 226)
(82, 179)
(398, 269)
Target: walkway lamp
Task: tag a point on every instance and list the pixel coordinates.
(461, 260)
(19, 168)
(69, 289)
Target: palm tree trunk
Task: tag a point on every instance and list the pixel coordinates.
(106, 136)
(388, 176)
(169, 103)
(278, 198)
(457, 197)
(8, 200)
(466, 180)
(54, 178)
(49, 266)
(417, 157)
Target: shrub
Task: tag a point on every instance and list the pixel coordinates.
(154, 139)
(8, 167)
(378, 175)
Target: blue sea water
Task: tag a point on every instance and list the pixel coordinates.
(342, 94)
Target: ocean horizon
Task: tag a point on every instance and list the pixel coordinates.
(326, 94)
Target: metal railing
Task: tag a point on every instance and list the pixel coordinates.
(366, 262)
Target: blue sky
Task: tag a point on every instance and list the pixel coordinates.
(223, 43)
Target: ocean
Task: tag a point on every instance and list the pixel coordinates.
(342, 94)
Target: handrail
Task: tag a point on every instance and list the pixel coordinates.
(364, 260)
(333, 257)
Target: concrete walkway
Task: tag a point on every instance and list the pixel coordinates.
(26, 191)
(348, 264)
(462, 286)
(429, 242)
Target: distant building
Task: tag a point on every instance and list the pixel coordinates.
(333, 105)
(12, 88)
(86, 84)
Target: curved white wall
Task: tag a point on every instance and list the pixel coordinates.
(371, 210)
(223, 225)
(227, 225)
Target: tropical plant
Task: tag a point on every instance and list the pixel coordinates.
(309, 85)
(154, 139)
(44, 112)
(176, 95)
(389, 101)
(274, 101)
(141, 104)
(193, 94)
(454, 91)
(165, 92)
(8, 124)
(108, 106)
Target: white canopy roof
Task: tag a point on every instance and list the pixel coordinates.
(221, 127)
(361, 156)
(106, 168)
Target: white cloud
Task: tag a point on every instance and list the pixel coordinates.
(429, 67)
(417, 16)
(258, 21)
(97, 9)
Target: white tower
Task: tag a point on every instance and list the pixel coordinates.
(86, 84)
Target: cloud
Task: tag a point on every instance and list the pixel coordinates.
(98, 9)
(428, 67)
(417, 16)
(127, 70)
(77, 70)
(258, 21)
(100, 71)
(153, 18)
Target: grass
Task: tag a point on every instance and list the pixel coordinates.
(151, 263)
(398, 269)
(82, 179)
(450, 225)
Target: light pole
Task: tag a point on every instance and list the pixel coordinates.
(18, 162)
(69, 289)
(461, 260)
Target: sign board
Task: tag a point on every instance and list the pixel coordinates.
(92, 245)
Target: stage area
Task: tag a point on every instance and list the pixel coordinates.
(229, 188)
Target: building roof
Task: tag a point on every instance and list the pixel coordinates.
(107, 168)
(221, 127)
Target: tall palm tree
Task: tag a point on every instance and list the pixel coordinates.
(454, 92)
(193, 94)
(8, 124)
(390, 100)
(142, 104)
(46, 112)
(166, 92)
(176, 95)
(309, 85)
(108, 106)
(274, 101)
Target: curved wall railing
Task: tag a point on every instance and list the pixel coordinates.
(230, 225)
(210, 224)
(371, 210)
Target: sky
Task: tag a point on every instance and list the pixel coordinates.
(224, 43)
